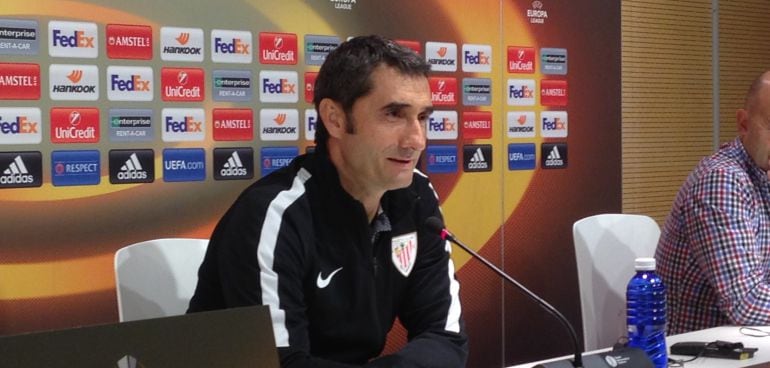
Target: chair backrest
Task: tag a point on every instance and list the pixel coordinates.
(157, 278)
(605, 248)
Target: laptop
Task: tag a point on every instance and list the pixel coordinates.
(237, 337)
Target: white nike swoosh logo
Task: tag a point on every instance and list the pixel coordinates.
(322, 282)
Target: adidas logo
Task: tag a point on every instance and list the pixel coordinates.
(233, 166)
(16, 173)
(132, 169)
(478, 161)
(554, 155)
(554, 158)
(16, 167)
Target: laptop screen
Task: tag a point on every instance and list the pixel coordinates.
(237, 337)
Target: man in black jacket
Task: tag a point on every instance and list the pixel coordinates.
(335, 243)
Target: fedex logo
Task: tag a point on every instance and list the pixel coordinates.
(477, 58)
(182, 84)
(311, 122)
(234, 46)
(278, 86)
(231, 46)
(521, 92)
(187, 125)
(442, 125)
(553, 92)
(554, 124)
(521, 124)
(443, 91)
(441, 56)
(521, 59)
(129, 83)
(134, 82)
(277, 48)
(72, 39)
(183, 125)
(20, 125)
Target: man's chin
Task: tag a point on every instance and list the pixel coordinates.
(401, 183)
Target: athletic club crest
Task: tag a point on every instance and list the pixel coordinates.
(404, 252)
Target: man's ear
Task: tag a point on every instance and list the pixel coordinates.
(742, 121)
(333, 117)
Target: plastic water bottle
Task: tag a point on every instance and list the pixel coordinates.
(646, 312)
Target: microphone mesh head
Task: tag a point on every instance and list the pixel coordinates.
(434, 224)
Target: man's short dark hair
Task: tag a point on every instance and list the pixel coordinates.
(345, 76)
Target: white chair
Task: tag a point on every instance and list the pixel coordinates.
(605, 248)
(157, 278)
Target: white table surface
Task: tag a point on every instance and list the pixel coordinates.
(724, 333)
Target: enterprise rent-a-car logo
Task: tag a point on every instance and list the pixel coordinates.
(19, 37)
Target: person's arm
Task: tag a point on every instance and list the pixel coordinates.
(723, 225)
(431, 312)
(261, 261)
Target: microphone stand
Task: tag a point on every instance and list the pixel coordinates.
(629, 357)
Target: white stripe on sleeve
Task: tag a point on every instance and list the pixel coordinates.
(266, 253)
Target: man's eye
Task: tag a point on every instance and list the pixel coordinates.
(393, 114)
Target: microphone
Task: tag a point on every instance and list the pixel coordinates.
(627, 357)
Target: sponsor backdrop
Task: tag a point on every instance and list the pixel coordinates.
(123, 122)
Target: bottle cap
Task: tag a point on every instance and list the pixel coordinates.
(644, 264)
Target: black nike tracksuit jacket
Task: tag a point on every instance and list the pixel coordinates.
(297, 242)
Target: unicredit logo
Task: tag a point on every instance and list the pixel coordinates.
(74, 125)
(277, 48)
(443, 91)
(182, 84)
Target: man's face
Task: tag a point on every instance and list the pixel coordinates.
(754, 128)
(386, 132)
